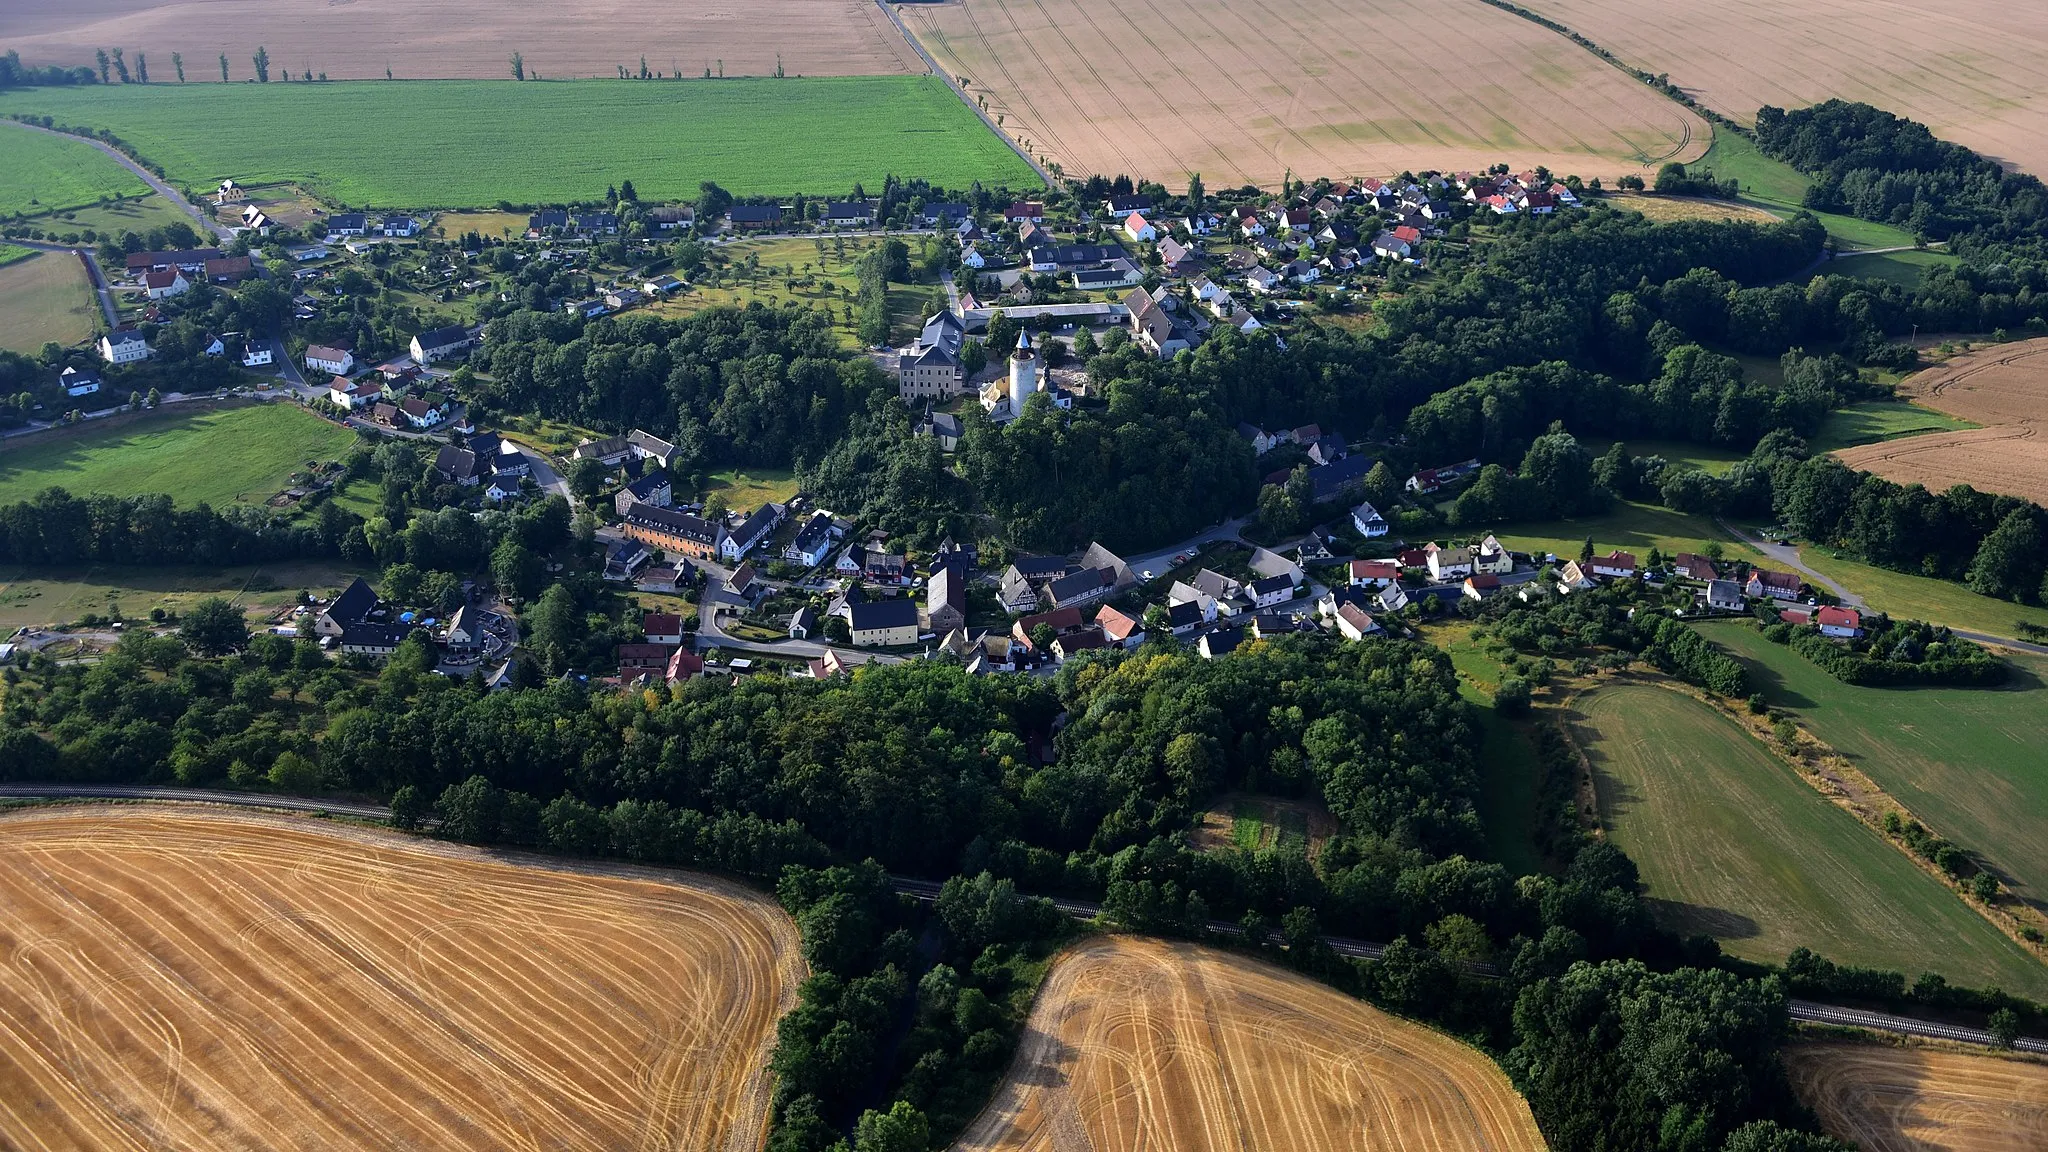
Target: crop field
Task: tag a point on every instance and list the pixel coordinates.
(1731, 844)
(177, 978)
(1665, 209)
(218, 457)
(46, 172)
(48, 596)
(539, 142)
(1966, 759)
(1922, 1099)
(466, 39)
(2003, 387)
(1873, 421)
(1245, 93)
(1972, 70)
(1144, 1044)
(43, 297)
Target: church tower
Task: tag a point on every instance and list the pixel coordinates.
(1023, 374)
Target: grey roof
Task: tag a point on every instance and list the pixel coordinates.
(948, 589)
(1075, 253)
(756, 525)
(648, 485)
(1271, 584)
(669, 520)
(899, 612)
(815, 531)
(355, 602)
(1331, 478)
(458, 463)
(1042, 567)
(367, 635)
(1086, 583)
(755, 213)
(447, 337)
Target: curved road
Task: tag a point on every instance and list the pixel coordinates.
(155, 182)
(928, 890)
(92, 265)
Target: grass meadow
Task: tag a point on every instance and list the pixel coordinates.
(1777, 187)
(137, 214)
(1906, 269)
(473, 143)
(1733, 845)
(43, 596)
(45, 173)
(1875, 420)
(1965, 759)
(1507, 756)
(216, 457)
(43, 297)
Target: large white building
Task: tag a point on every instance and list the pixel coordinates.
(123, 346)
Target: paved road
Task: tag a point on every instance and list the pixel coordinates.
(711, 635)
(92, 264)
(155, 182)
(929, 890)
(1788, 555)
(889, 10)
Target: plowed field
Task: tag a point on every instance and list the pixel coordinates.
(1143, 1044)
(1920, 1100)
(2004, 387)
(1244, 90)
(1975, 71)
(182, 979)
(465, 39)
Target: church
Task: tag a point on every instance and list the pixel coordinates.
(1005, 403)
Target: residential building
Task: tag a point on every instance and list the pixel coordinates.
(651, 488)
(1447, 564)
(353, 394)
(1776, 585)
(672, 531)
(1374, 573)
(1480, 586)
(76, 383)
(684, 665)
(1840, 623)
(648, 446)
(1139, 229)
(454, 465)
(1074, 643)
(124, 346)
(442, 343)
(1185, 617)
(167, 283)
(1119, 627)
(376, 641)
(662, 627)
(884, 622)
(754, 529)
(1266, 562)
(400, 226)
(326, 358)
(812, 543)
(946, 600)
(668, 217)
(661, 285)
(1616, 565)
(829, 665)
(1118, 273)
(1023, 210)
(352, 606)
(610, 451)
(754, 217)
(1724, 596)
(885, 567)
(1430, 481)
(465, 628)
(1572, 578)
(256, 355)
(596, 223)
(423, 413)
(347, 224)
(1084, 586)
(1267, 625)
(1329, 481)
(849, 213)
(931, 368)
(1695, 567)
(540, 222)
(1368, 521)
(230, 269)
(802, 623)
(1061, 620)
(189, 260)
(1270, 591)
(1355, 623)
(1221, 642)
(1492, 558)
(634, 658)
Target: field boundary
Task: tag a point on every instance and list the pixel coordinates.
(1847, 787)
(903, 30)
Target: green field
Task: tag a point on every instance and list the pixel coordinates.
(1875, 420)
(44, 173)
(1710, 457)
(1507, 758)
(752, 487)
(1923, 597)
(43, 297)
(1731, 844)
(137, 214)
(809, 270)
(1777, 187)
(216, 457)
(1968, 760)
(1904, 268)
(46, 596)
(472, 143)
(1627, 525)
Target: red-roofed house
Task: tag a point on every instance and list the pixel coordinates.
(1374, 573)
(1841, 623)
(1119, 627)
(1025, 210)
(1776, 585)
(684, 665)
(169, 282)
(1795, 615)
(662, 628)
(1616, 565)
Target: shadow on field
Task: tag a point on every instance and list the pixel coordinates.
(1688, 919)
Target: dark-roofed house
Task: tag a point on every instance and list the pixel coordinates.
(1776, 585)
(608, 451)
(671, 531)
(648, 446)
(754, 529)
(442, 343)
(947, 213)
(1074, 643)
(1271, 591)
(1724, 596)
(545, 219)
(813, 541)
(754, 216)
(849, 213)
(1695, 567)
(347, 224)
(1330, 480)
(644, 658)
(454, 465)
(653, 488)
(230, 269)
(352, 606)
(1221, 642)
(1076, 588)
(931, 368)
(946, 600)
(884, 622)
(377, 641)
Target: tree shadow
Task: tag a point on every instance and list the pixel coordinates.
(1690, 919)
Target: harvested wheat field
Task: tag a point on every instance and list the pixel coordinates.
(1975, 71)
(1242, 91)
(465, 39)
(1145, 1044)
(177, 978)
(2004, 387)
(1923, 1100)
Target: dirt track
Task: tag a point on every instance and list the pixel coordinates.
(1143, 1044)
(1244, 90)
(2004, 387)
(465, 39)
(1975, 71)
(1922, 1099)
(193, 979)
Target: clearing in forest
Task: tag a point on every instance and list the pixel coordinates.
(468, 39)
(1143, 1044)
(2005, 388)
(1923, 1099)
(1972, 70)
(1732, 844)
(180, 978)
(1245, 92)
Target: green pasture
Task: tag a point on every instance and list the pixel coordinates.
(1777, 187)
(1875, 420)
(43, 298)
(49, 596)
(473, 143)
(1733, 845)
(45, 173)
(1906, 269)
(217, 457)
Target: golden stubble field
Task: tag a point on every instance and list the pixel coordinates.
(1242, 91)
(465, 39)
(2003, 387)
(1138, 1044)
(1922, 1099)
(1975, 71)
(182, 978)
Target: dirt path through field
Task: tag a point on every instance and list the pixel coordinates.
(200, 979)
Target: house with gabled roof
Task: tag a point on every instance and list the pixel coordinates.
(1776, 585)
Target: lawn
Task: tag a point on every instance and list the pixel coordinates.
(137, 214)
(1507, 758)
(1965, 759)
(47, 596)
(1732, 844)
(1713, 459)
(1902, 268)
(1777, 187)
(217, 457)
(1923, 597)
(1875, 420)
(473, 143)
(43, 297)
(752, 487)
(1629, 526)
(817, 272)
(44, 173)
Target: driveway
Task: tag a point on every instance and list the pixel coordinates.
(1788, 555)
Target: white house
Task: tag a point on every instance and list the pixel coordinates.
(1139, 229)
(969, 258)
(1841, 623)
(1271, 591)
(169, 282)
(78, 383)
(339, 361)
(441, 343)
(1368, 521)
(123, 346)
(353, 394)
(256, 355)
(1616, 565)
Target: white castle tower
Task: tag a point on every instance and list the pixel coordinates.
(1023, 374)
